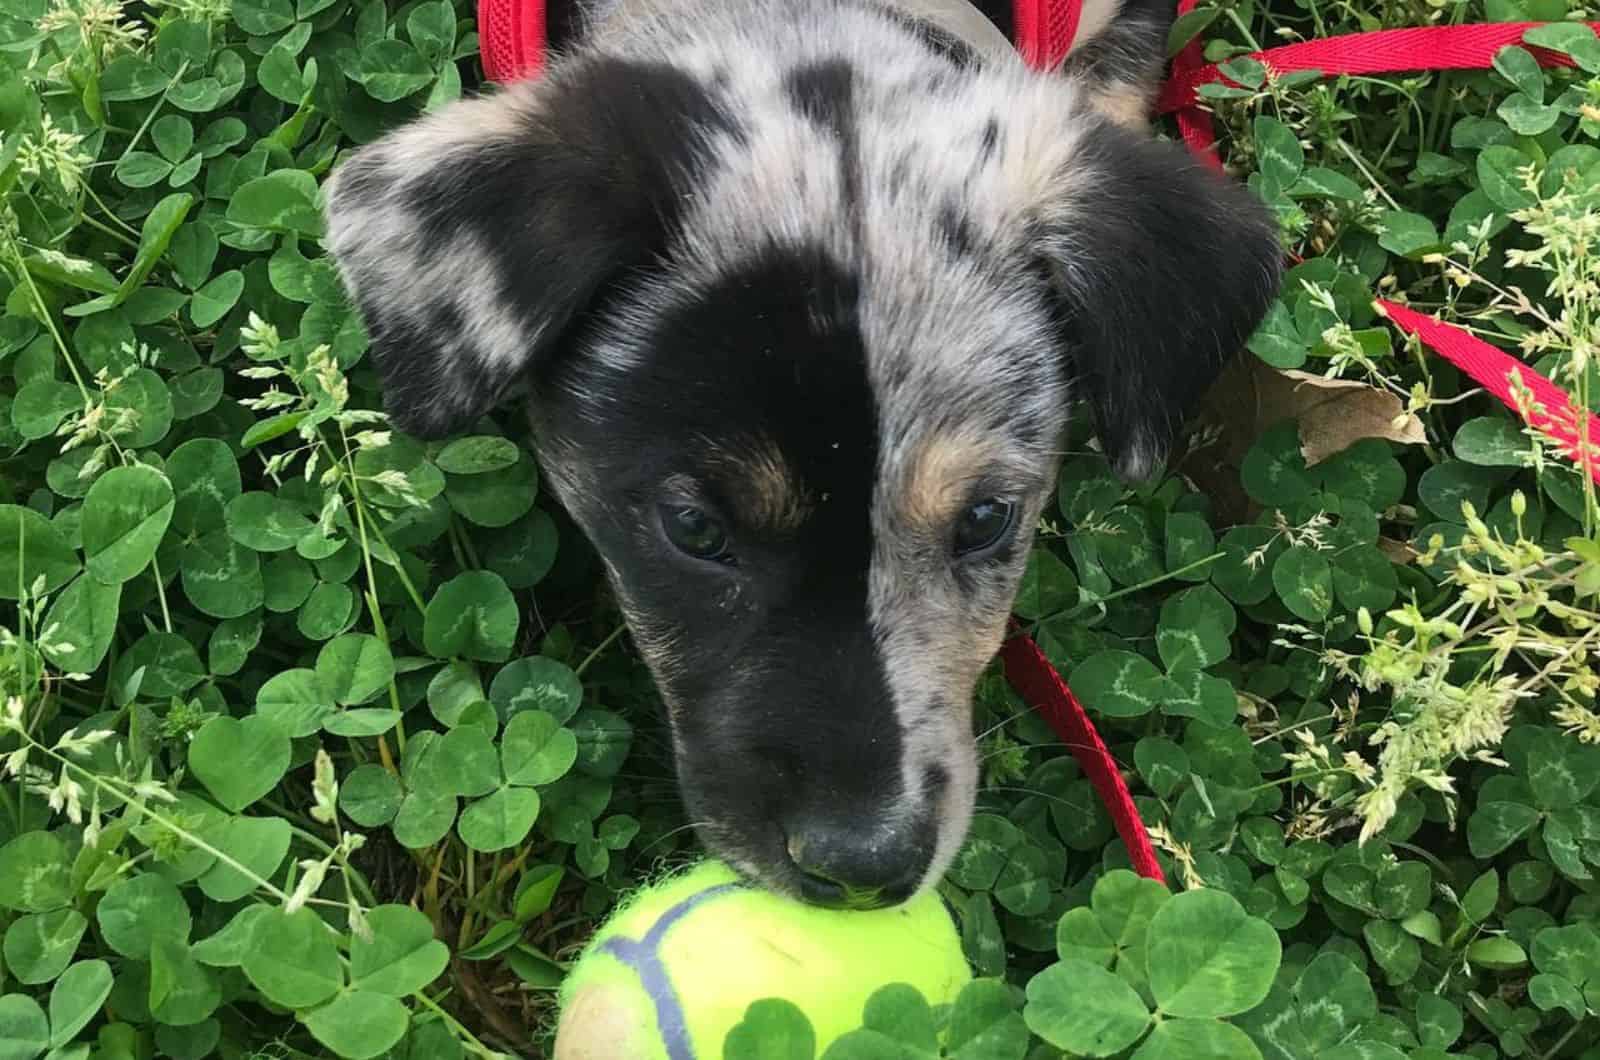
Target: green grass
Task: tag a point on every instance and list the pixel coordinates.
(320, 740)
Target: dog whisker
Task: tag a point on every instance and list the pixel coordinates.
(664, 836)
(1087, 805)
(1002, 723)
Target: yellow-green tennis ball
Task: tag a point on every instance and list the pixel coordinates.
(675, 968)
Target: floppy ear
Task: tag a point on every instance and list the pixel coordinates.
(1163, 269)
(471, 239)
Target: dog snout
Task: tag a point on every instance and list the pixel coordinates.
(844, 865)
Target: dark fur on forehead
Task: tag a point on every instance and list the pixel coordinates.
(825, 93)
(769, 354)
(470, 261)
(767, 360)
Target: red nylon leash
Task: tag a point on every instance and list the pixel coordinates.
(1385, 51)
(1491, 368)
(1194, 122)
(511, 38)
(1043, 688)
(1377, 52)
(1045, 30)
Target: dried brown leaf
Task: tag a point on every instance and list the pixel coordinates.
(1251, 396)
(1334, 414)
(1399, 553)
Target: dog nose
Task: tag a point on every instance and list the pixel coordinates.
(852, 868)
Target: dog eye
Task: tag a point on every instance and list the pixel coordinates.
(983, 525)
(694, 532)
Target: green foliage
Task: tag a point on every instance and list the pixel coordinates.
(319, 740)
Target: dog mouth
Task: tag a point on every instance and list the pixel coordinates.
(835, 828)
(770, 858)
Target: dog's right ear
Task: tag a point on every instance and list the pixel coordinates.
(471, 239)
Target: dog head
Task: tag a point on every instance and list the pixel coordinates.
(799, 316)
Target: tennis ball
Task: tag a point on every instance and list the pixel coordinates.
(676, 966)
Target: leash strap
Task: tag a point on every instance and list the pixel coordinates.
(1041, 687)
(1384, 51)
(1194, 122)
(1046, 30)
(1494, 369)
(511, 38)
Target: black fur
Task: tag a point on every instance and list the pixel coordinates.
(563, 21)
(784, 719)
(957, 230)
(1132, 50)
(1162, 280)
(991, 138)
(592, 187)
(825, 93)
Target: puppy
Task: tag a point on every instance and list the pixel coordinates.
(799, 292)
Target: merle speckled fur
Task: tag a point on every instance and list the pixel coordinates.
(830, 276)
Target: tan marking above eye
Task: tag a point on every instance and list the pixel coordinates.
(763, 488)
(939, 478)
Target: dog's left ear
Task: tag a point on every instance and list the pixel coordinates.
(1163, 269)
(474, 239)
